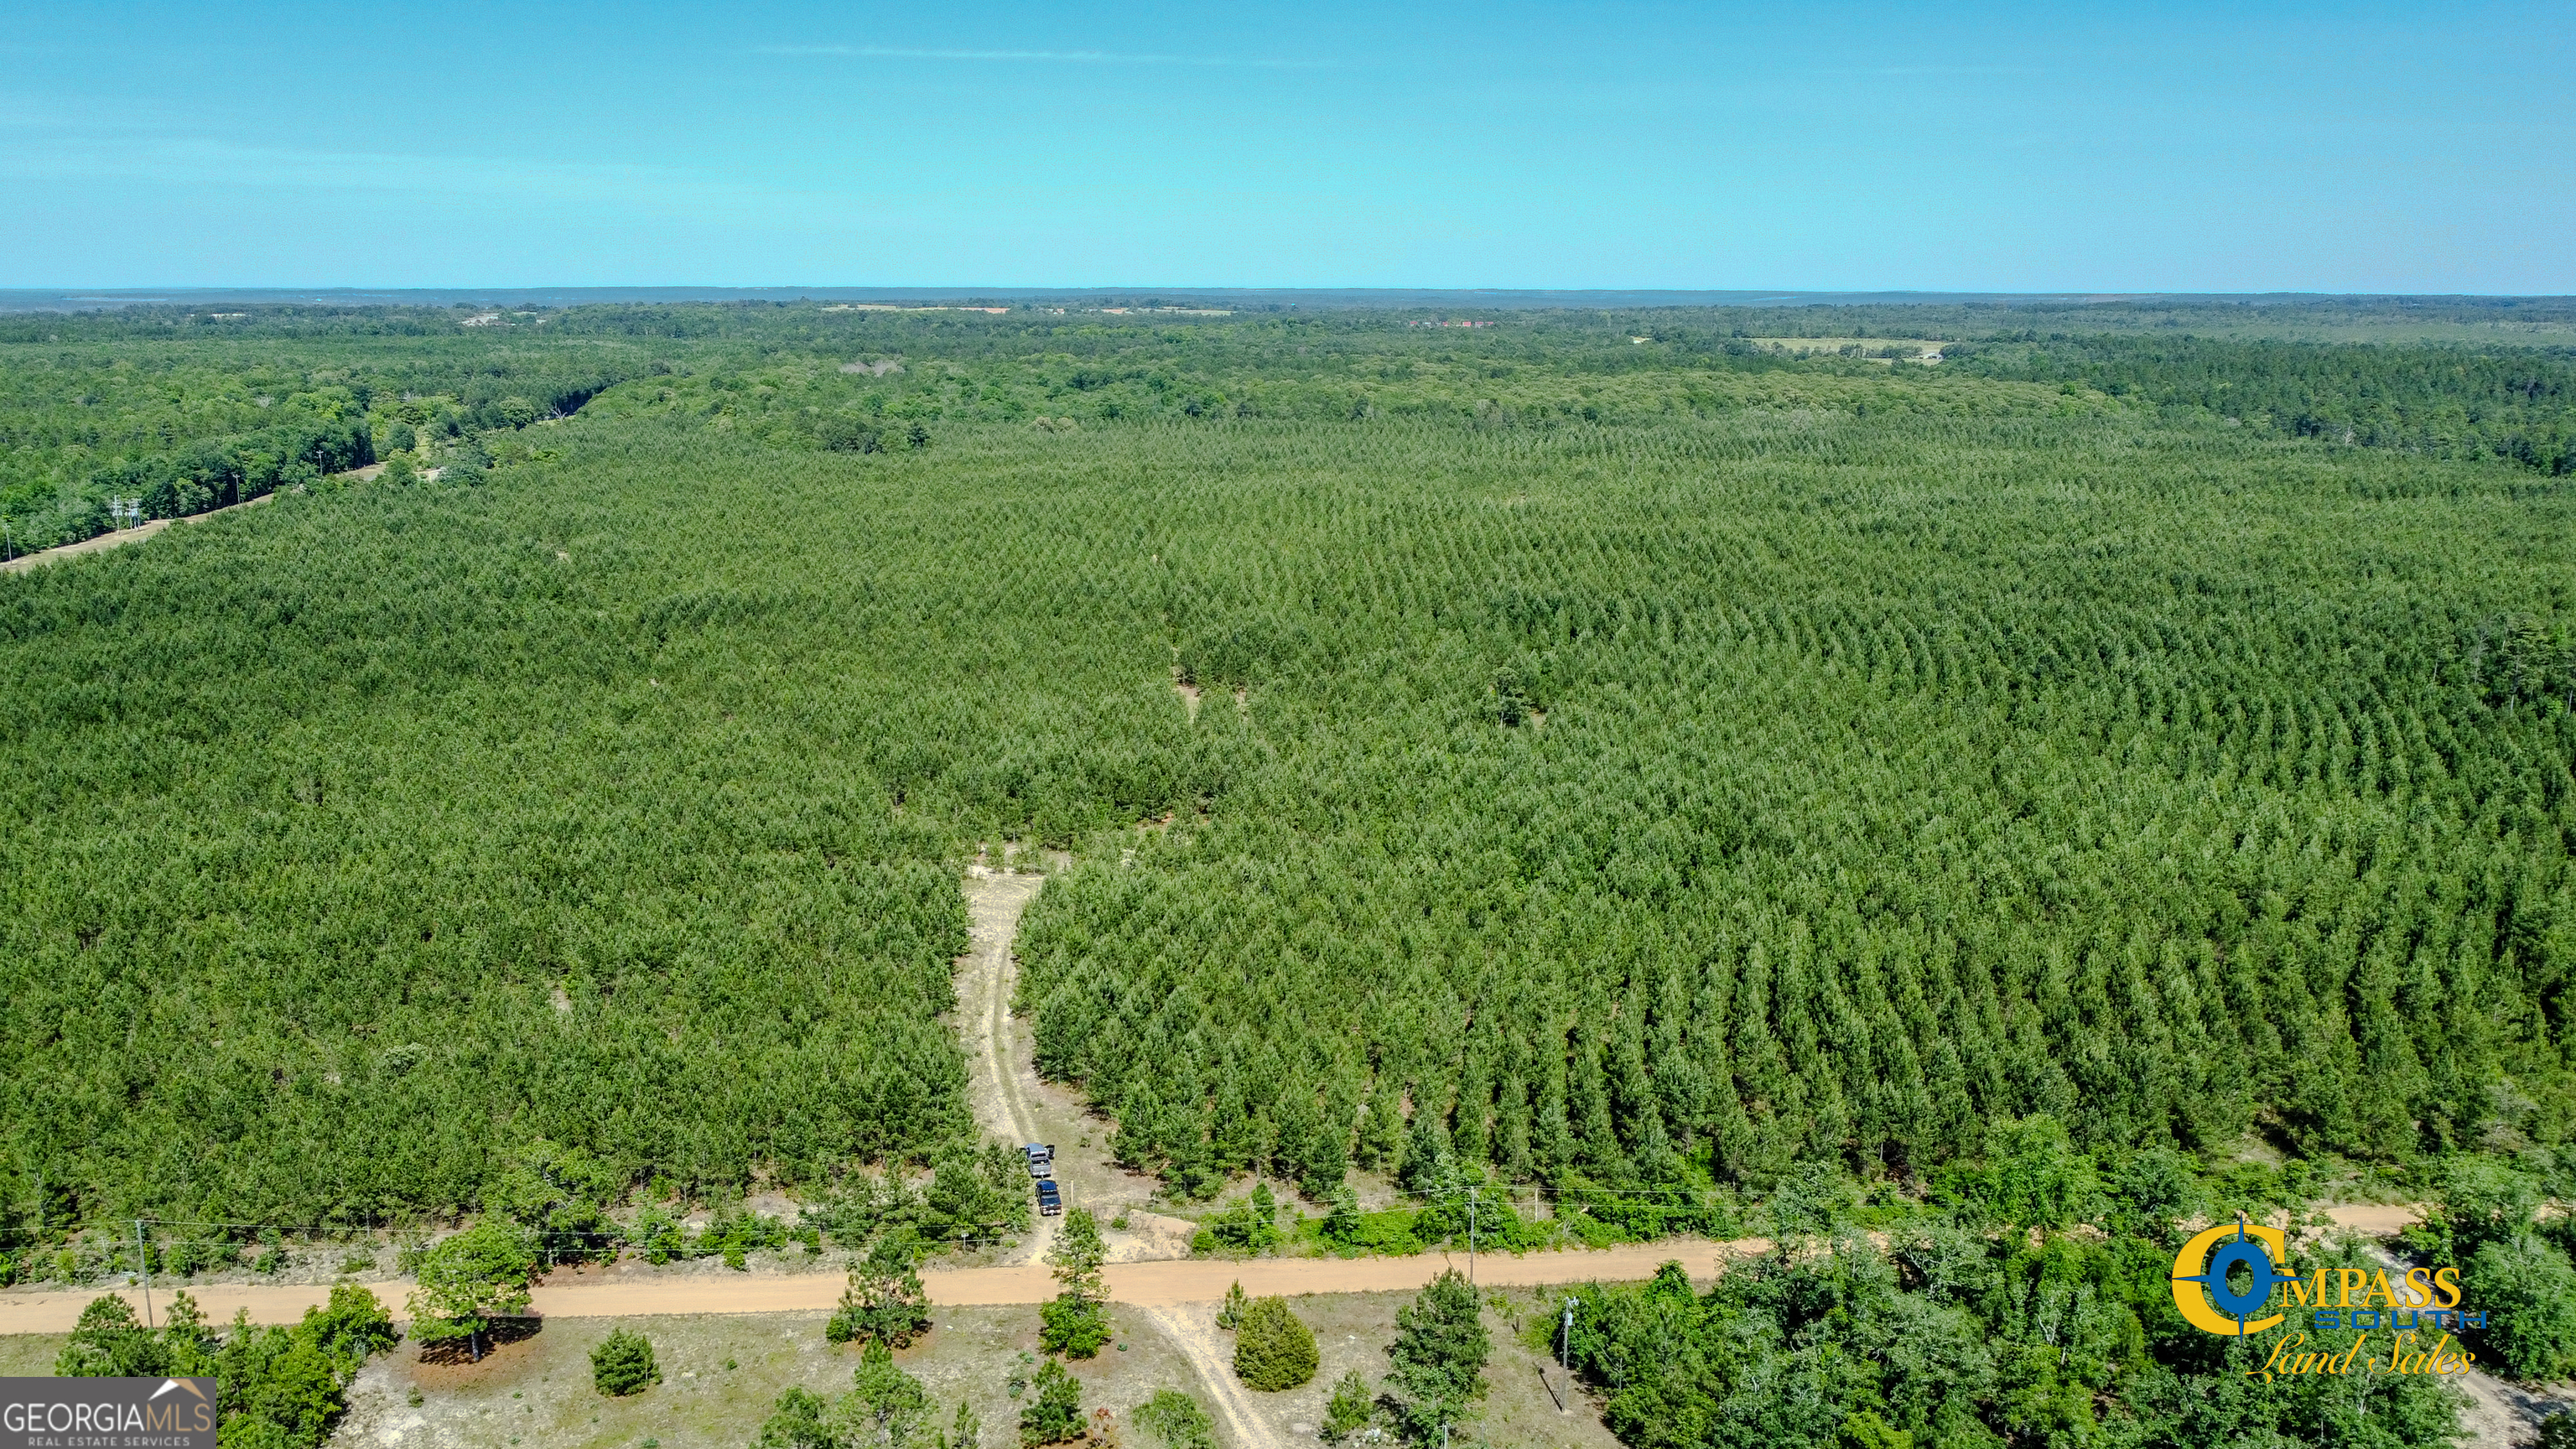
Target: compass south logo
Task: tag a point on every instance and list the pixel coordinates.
(2227, 1278)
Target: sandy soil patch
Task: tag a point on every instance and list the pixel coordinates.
(720, 1379)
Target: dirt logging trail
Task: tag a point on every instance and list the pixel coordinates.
(1007, 1097)
(986, 981)
(1169, 1294)
(1192, 1329)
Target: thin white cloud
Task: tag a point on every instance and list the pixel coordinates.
(1932, 70)
(1075, 57)
(31, 155)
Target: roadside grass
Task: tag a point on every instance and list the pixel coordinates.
(1352, 1331)
(29, 1355)
(537, 1392)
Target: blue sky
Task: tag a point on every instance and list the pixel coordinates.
(2129, 147)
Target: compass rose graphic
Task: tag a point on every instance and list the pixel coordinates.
(2205, 1296)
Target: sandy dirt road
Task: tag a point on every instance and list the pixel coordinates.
(1192, 1330)
(1147, 1285)
(2498, 1414)
(999, 1076)
(1144, 1285)
(118, 539)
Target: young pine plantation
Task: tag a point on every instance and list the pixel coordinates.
(1633, 780)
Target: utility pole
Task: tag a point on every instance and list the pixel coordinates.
(1565, 1355)
(143, 1260)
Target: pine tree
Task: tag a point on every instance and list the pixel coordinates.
(1176, 1421)
(1054, 1416)
(887, 1408)
(1273, 1348)
(1075, 1322)
(1438, 1356)
(885, 1300)
(1429, 1166)
(1350, 1410)
(623, 1364)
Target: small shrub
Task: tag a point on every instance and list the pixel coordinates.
(1229, 1315)
(1273, 1350)
(1351, 1409)
(661, 1236)
(623, 1364)
(1176, 1421)
(1251, 1226)
(1073, 1325)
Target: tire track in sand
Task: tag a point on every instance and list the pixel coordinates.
(1005, 1080)
(1192, 1330)
(994, 902)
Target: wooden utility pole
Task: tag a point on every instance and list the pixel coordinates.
(143, 1261)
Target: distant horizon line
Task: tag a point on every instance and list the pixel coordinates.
(74, 299)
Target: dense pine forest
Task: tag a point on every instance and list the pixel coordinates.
(186, 411)
(1604, 752)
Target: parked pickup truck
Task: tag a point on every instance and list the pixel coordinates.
(1050, 1201)
(1041, 1157)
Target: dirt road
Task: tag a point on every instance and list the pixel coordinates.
(2498, 1414)
(1144, 1285)
(999, 1072)
(1010, 1101)
(118, 539)
(1193, 1331)
(1147, 1285)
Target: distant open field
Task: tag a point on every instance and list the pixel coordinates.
(1908, 347)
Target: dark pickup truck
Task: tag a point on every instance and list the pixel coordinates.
(1050, 1201)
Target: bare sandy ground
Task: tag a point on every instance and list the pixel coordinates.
(2379, 1220)
(1193, 1331)
(1147, 1285)
(998, 1071)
